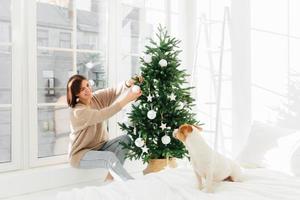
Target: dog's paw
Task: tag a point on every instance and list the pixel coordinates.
(208, 190)
(200, 187)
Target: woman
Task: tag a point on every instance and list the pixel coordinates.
(89, 146)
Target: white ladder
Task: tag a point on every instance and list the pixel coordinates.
(216, 77)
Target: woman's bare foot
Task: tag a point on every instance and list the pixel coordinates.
(109, 178)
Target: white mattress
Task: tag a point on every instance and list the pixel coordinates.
(180, 183)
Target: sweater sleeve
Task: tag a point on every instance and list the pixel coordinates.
(109, 95)
(83, 117)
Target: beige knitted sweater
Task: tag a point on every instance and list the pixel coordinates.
(88, 128)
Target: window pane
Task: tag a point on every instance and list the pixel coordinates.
(294, 17)
(5, 135)
(92, 24)
(175, 5)
(269, 58)
(135, 3)
(265, 48)
(131, 45)
(276, 18)
(131, 30)
(218, 6)
(53, 71)
(53, 129)
(156, 4)
(93, 67)
(203, 8)
(153, 19)
(131, 66)
(294, 57)
(53, 17)
(5, 75)
(5, 32)
(175, 26)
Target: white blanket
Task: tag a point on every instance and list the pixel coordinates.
(180, 184)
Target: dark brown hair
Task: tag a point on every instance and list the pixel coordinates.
(73, 88)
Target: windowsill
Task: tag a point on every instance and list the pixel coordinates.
(43, 178)
(50, 177)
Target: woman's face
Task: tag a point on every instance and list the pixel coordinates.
(85, 91)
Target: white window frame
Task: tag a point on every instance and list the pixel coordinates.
(16, 98)
(24, 72)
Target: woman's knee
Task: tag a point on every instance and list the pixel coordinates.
(111, 159)
(126, 139)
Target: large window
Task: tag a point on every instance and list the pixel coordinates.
(62, 38)
(71, 38)
(275, 48)
(5, 82)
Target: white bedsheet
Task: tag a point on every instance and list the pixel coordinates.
(180, 183)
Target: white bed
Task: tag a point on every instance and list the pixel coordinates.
(180, 183)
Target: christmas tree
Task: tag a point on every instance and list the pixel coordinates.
(166, 103)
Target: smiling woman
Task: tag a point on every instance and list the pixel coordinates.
(89, 145)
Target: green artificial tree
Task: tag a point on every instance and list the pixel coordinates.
(165, 104)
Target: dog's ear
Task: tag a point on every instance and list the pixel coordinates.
(198, 127)
(185, 129)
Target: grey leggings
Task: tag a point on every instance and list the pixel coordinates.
(111, 156)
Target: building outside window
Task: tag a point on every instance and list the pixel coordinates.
(43, 37)
(65, 40)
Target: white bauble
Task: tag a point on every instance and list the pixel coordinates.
(139, 142)
(147, 58)
(163, 63)
(151, 114)
(166, 139)
(136, 89)
(91, 82)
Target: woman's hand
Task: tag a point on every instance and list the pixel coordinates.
(138, 79)
(135, 79)
(129, 83)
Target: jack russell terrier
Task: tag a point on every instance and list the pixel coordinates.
(209, 166)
